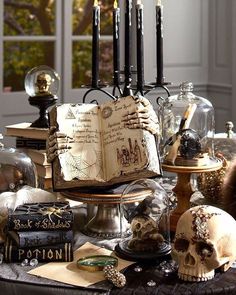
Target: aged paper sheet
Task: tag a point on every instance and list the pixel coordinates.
(67, 272)
(122, 146)
(81, 124)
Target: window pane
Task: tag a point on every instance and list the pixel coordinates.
(20, 57)
(29, 17)
(82, 17)
(106, 61)
(81, 63)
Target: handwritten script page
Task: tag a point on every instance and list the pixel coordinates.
(123, 147)
(83, 160)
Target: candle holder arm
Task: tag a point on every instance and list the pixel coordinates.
(98, 89)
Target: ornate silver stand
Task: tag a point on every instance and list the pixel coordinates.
(108, 221)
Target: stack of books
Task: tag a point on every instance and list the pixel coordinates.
(32, 141)
(41, 231)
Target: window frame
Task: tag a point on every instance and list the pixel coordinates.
(10, 97)
(64, 39)
(69, 94)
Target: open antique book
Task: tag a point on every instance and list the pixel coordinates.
(98, 149)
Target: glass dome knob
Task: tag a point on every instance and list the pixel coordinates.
(186, 86)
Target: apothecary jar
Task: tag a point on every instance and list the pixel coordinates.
(187, 125)
(16, 170)
(146, 234)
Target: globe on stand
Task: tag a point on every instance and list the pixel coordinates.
(41, 84)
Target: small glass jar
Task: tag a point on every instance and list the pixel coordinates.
(146, 234)
(187, 125)
(225, 143)
(16, 170)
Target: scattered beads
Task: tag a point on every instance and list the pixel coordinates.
(168, 267)
(33, 262)
(138, 268)
(25, 262)
(151, 283)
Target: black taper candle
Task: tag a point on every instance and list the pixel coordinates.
(159, 42)
(128, 42)
(140, 50)
(95, 44)
(116, 44)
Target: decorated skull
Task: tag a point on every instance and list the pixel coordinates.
(143, 227)
(205, 240)
(145, 235)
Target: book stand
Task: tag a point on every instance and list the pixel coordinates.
(108, 221)
(184, 189)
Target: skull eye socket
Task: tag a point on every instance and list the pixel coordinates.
(181, 245)
(138, 226)
(204, 250)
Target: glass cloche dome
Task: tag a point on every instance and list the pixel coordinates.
(145, 208)
(16, 170)
(42, 81)
(187, 124)
(42, 84)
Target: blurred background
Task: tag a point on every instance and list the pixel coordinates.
(199, 46)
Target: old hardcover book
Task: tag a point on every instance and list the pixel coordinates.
(31, 143)
(58, 252)
(100, 150)
(24, 130)
(25, 239)
(44, 170)
(37, 156)
(44, 183)
(41, 216)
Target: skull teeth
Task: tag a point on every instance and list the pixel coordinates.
(187, 277)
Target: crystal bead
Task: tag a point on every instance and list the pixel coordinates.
(1, 258)
(168, 267)
(233, 264)
(25, 262)
(33, 262)
(138, 269)
(151, 283)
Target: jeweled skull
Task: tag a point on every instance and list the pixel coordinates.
(205, 240)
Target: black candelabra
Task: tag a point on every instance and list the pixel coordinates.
(141, 87)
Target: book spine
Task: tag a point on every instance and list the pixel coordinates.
(44, 171)
(37, 144)
(25, 222)
(37, 156)
(58, 252)
(44, 183)
(41, 238)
